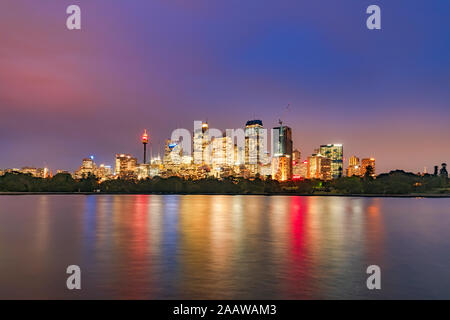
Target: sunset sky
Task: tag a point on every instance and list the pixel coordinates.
(161, 64)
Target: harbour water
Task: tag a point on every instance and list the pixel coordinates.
(223, 247)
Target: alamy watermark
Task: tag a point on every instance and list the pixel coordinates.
(374, 280)
(73, 21)
(74, 280)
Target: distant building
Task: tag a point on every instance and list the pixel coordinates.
(173, 153)
(222, 151)
(62, 171)
(265, 171)
(201, 142)
(104, 172)
(238, 155)
(300, 170)
(186, 159)
(354, 168)
(222, 158)
(365, 163)
(319, 167)
(35, 172)
(30, 171)
(156, 160)
(254, 146)
(281, 168)
(155, 170)
(296, 155)
(296, 164)
(334, 152)
(87, 168)
(143, 171)
(282, 153)
(126, 166)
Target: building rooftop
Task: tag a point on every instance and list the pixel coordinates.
(253, 122)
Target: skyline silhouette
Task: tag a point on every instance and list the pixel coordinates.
(67, 94)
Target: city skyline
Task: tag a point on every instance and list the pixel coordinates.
(159, 155)
(65, 94)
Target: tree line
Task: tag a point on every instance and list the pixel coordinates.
(394, 182)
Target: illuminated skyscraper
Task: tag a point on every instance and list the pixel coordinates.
(296, 156)
(353, 161)
(282, 153)
(354, 169)
(334, 152)
(143, 171)
(254, 145)
(281, 168)
(319, 167)
(103, 172)
(173, 153)
(88, 167)
(365, 163)
(201, 142)
(222, 157)
(126, 166)
(222, 151)
(297, 165)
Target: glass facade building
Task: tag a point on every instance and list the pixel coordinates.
(334, 152)
(282, 153)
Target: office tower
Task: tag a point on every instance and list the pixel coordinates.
(354, 169)
(88, 163)
(296, 156)
(156, 160)
(365, 163)
(265, 171)
(319, 167)
(144, 140)
(296, 164)
(35, 172)
(173, 153)
(254, 146)
(353, 161)
(201, 142)
(103, 172)
(303, 169)
(31, 171)
(87, 167)
(282, 153)
(334, 152)
(300, 169)
(222, 151)
(238, 155)
(143, 171)
(222, 157)
(281, 168)
(126, 166)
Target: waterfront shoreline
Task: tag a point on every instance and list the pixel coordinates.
(413, 195)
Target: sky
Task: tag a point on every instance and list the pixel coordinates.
(161, 64)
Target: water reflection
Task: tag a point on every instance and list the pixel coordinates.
(201, 247)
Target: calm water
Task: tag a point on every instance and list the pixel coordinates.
(223, 247)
